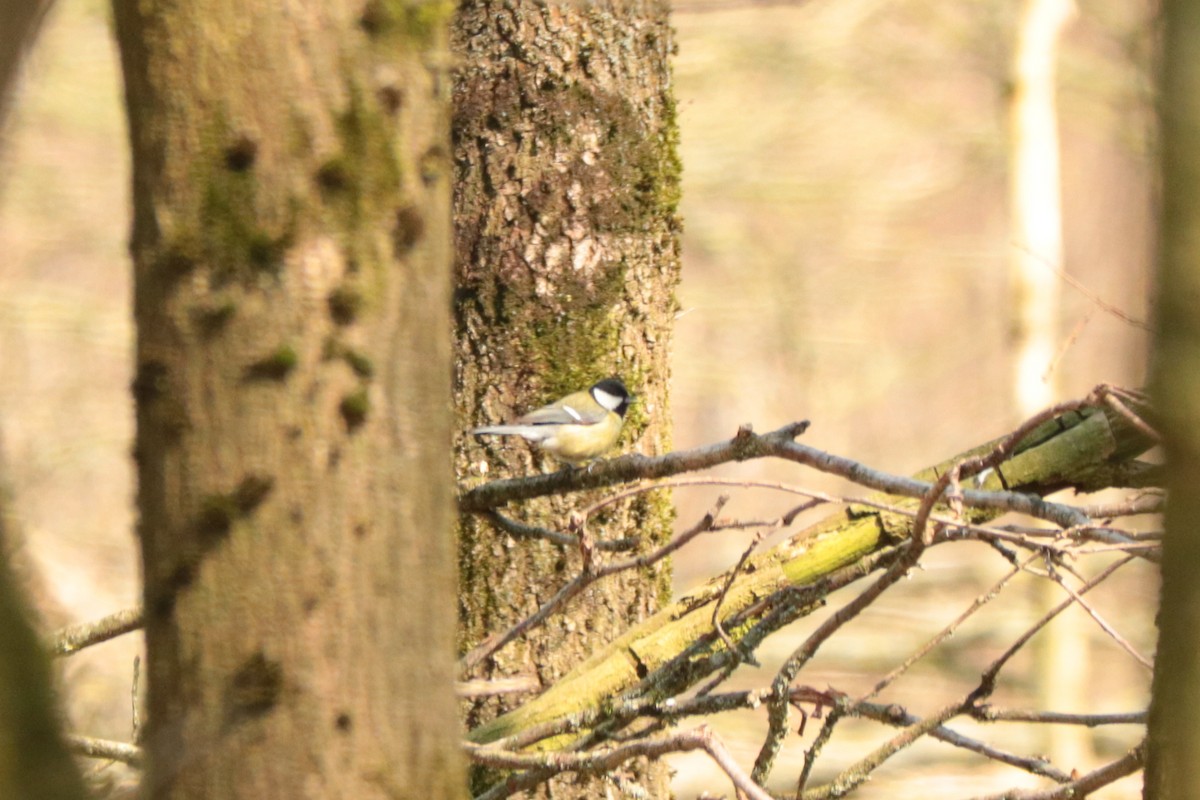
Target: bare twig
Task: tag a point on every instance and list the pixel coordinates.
(987, 713)
(778, 707)
(814, 750)
(1081, 787)
(1145, 502)
(106, 749)
(746, 656)
(1114, 397)
(135, 714)
(746, 445)
(1121, 641)
(987, 682)
(584, 579)
(544, 765)
(946, 632)
(894, 715)
(1078, 286)
(1067, 343)
(74, 638)
(854, 775)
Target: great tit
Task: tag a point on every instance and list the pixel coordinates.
(576, 429)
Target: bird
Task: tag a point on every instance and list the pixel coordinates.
(575, 429)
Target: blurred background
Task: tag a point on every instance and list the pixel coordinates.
(847, 255)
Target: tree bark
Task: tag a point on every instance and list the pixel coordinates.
(566, 240)
(1173, 752)
(291, 249)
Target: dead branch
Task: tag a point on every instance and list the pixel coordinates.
(74, 638)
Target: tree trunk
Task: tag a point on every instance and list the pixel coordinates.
(567, 249)
(291, 248)
(1036, 264)
(20, 22)
(1173, 756)
(34, 762)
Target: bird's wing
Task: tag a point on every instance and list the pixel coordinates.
(564, 412)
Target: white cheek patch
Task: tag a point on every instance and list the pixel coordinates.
(609, 401)
(575, 415)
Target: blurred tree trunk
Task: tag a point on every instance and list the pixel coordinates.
(567, 249)
(1035, 203)
(34, 762)
(1035, 208)
(291, 250)
(1173, 757)
(20, 22)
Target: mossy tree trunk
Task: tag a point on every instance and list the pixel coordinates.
(291, 250)
(1173, 757)
(566, 239)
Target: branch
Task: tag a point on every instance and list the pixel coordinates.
(74, 638)
(895, 715)
(1081, 787)
(1058, 452)
(747, 445)
(543, 766)
(854, 775)
(946, 632)
(987, 682)
(91, 747)
(625, 469)
(989, 714)
(778, 709)
(1121, 641)
(586, 578)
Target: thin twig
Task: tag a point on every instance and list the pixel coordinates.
(1067, 343)
(1113, 398)
(74, 638)
(987, 713)
(747, 657)
(987, 682)
(543, 765)
(778, 707)
(1078, 286)
(895, 715)
(686, 483)
(814, 750)
(946, 632)
(1121, 641)
(134, 706)
(582, 581)
(854, 775)
(106, 749)
(1081, 787)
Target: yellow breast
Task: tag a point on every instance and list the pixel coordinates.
(578, 444)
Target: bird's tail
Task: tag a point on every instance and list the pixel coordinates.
(528, 431)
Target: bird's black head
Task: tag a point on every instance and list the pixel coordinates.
(612, 394)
